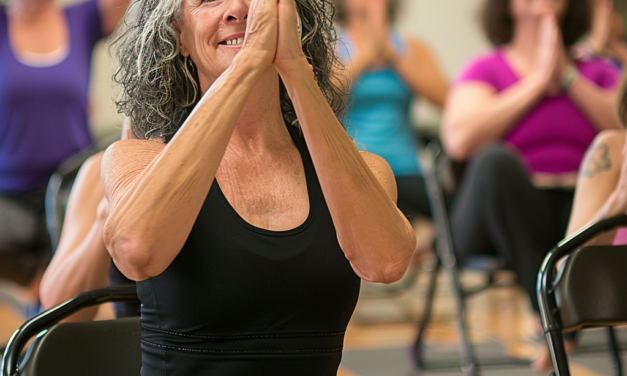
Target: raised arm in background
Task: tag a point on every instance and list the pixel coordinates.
(81, 261)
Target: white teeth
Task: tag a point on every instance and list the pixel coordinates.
(234, 42)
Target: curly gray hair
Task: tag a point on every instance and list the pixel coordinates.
(160, 87)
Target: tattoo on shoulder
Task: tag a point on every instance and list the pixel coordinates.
(598, 161)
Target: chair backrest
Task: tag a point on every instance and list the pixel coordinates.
(591, 290)
(60, 185)
(100, 348)
(77, 348)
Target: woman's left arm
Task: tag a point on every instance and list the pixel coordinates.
(598, 104)
(374, 235)
(420, 71)
(111, 12)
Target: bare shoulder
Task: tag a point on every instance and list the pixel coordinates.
(382, 171)
(90, 170)
(124, 160)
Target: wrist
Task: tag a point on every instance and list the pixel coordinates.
(537, 82)
(570, 75)
(247, 62)
(298, 67)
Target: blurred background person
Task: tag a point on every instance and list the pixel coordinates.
(607, 38)
(81, 262)
(45, 54)
(385, 73)
(523, 115)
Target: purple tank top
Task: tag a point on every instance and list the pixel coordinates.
(553, 136)
(43, 110)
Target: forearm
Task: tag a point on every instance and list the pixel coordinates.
(423, 76)
(150, 222)
(347, 77)
(85, 268)
(597, 104)
(374, 235)
(470, 124)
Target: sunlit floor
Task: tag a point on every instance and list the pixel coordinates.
(383, 329)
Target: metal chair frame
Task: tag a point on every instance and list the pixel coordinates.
(447, 263)
(10, 365)
(549, 307)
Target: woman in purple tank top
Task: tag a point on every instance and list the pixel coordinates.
(45, 54)
(524, 115)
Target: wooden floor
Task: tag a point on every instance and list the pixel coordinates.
(386, 317)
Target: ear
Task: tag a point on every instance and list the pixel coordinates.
(181, 35)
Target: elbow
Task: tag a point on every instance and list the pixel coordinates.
(386, 275)
(130, 254)
(454, 143)
(386, 271)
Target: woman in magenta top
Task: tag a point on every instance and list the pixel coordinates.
(523, 115)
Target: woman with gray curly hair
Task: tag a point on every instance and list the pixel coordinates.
(244, 211)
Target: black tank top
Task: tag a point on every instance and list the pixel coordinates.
(240, 300)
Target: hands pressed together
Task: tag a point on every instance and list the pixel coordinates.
(552, 59)
(374, 48)
(273, 36)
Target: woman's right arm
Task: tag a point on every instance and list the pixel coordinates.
(81, 262)
(476, 115)
(156, 191)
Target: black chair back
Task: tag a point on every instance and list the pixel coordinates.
(77, 349)
(589, 290)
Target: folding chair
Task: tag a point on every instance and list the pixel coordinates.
(100, 348)
(446, 262)
(589, 290)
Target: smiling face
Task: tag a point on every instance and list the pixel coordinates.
(526, 9)
(211, 34)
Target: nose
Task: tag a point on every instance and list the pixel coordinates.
(237, 11)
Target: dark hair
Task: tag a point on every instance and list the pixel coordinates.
(393, 10)
(498, 23)
(160, 87)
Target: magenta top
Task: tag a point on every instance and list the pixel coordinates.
(554, 135)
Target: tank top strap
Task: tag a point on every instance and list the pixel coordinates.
(313, 185)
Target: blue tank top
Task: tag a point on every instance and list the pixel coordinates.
(44, 109)
(378, 118)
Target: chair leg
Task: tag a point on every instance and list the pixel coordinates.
(555, 342)
(426, 315)
(615, 350)
(469, 365)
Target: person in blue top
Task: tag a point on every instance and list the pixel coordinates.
(385, 73)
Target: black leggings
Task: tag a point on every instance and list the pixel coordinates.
(412, 196)
(498, 211)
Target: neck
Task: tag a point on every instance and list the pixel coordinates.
(29, 10)
(260, 126)
(525, 39)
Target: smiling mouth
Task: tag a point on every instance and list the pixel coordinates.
(233, 42)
